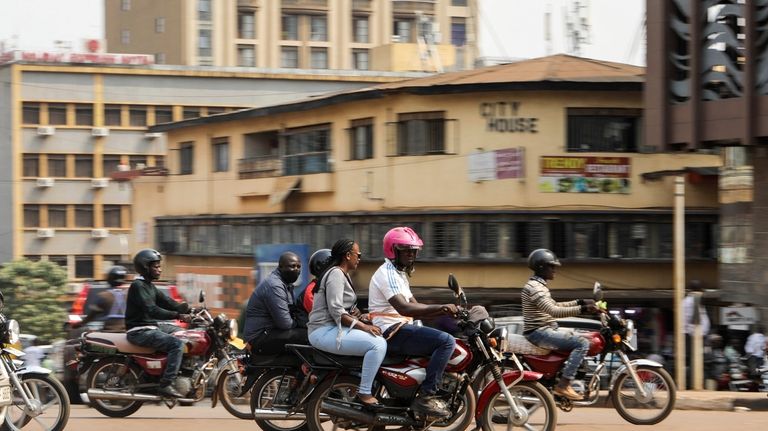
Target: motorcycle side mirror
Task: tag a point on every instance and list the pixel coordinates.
(597, 291)
(201, 297)
(453, 284)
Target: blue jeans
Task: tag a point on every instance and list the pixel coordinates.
(354, 343)
(550, 338)
(161, 340)
(424, 341)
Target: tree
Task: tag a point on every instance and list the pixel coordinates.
(33, 293)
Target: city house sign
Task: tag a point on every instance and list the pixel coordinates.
(505, 117)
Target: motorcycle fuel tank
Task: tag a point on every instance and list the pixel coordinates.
(461, 357)
(196, 342)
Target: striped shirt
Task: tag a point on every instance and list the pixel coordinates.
(387, 282)
(539, 309)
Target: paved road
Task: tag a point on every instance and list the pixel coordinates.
(202, 417)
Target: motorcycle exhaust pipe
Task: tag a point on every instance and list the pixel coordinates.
(101, 394)
(276, 414)
(345, 411)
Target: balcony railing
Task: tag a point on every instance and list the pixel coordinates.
(293, 164)
(305, 4)
(411, 6)
(260, 167)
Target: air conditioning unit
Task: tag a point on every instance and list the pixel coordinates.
(46, 131)
(152, 135)
(99, 131)
(45, 182)
(99, 183)
(46, 233)
(99, 233)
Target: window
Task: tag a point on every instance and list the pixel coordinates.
(57, 216)
(57, 113)
(587, 240)
(84, 166)
(31, 165)
(57, 165)
(125, 37)
(191, 112)
(84, 215)
(360, 28)
(361, 139)
(186, 158)
(402, 30)
(84, 114)
(486, 240)
(204, 10)
(110, 164)
(360, 59)
(246, 27)
(112, 216)
(319, 58)
(606, 130)
(420, 133)
(112, 115)
(290, 27)
(125, 5)
(30, 113)
(289, 57)
(137, 116)
(246, 56)
(83, 266)
(220, 154)
(445, 239)
(160, 24)
(458, 31)
(31, 215)
(318, 25)
(307, 150)
(159, 58)
(204, 44)
(458, 2)
(163, 114)
(137, 162)
(159, 161)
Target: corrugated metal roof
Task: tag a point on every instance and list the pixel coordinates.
(556, 72)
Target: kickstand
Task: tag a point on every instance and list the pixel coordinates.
(170, 402)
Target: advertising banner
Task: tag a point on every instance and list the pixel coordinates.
(568, 174)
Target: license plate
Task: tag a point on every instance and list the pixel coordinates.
(5, 395)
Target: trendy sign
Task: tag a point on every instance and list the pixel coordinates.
(567, 174)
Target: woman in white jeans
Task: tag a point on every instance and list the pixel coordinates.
(336, 326)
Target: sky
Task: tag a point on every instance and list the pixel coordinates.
(509, 29)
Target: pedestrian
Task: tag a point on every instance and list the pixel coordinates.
(695, 292)
(755, 350)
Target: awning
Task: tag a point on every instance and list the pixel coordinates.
(699, 170)
(284, 186)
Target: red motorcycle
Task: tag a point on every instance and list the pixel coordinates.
(641, 390)
(513, 398)
(122, 376)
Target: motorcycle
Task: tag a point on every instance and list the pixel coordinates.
(514, 397)
(30, 397)
(641, 391)
(122, 376)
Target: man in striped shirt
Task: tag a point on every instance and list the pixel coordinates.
(540, 312)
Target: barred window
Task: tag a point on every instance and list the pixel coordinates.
(307, 150)
(220, 148)
(603, 130)
(445, 240)
(361, 139)
(421, 133)
(186, 158)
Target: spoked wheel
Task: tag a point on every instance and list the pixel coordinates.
(536, 405)
(649, 408)
(114, 375)
(343, 388)
(265, 395)
(50, 398)
(228, 386)
(465, 415)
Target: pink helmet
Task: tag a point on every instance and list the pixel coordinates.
(402, 236)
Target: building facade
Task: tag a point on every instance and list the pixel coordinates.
(388, 35)
(69, 127)
(486, 166)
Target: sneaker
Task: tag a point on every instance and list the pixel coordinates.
(170, 391)
(567, 392)
(430, 405)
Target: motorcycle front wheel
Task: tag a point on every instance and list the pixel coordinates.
(650, 409)
(228, 385)
(535, 401)
(265, 395)
(49, 395)
(114, 375)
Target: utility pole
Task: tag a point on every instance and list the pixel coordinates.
(679, 280)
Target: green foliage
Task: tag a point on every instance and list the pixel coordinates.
(33, 294)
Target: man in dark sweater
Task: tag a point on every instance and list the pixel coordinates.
(145, 306)
(270, 317)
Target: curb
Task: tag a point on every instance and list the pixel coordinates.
(710, 403)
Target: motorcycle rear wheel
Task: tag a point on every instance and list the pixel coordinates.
(114, 374)
(51, 395)
(652, 410)
(263, 396)
(532, 397)
(342, 388)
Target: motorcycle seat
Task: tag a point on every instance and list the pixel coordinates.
(517, 343)
(114, 341)
(326, 358)
(272, 361)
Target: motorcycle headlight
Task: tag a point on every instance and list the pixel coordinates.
(630, 330)
(232, 329)
(12, 331)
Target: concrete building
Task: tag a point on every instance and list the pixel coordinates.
(68, 121)
(485, 165)
(389, 35)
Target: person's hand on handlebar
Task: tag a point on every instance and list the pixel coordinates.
(588, 306)
(449, 309)
(186, 318)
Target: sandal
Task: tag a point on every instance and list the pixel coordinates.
(370, 405)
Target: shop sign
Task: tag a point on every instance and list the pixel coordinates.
(504, 117)
(496, 165)
(566, 174)
(738, 315)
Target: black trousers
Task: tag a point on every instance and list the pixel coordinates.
(273, 341)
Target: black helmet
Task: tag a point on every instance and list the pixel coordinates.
(319, 261)
(116, 275)
(143, 258)
(540, 258)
